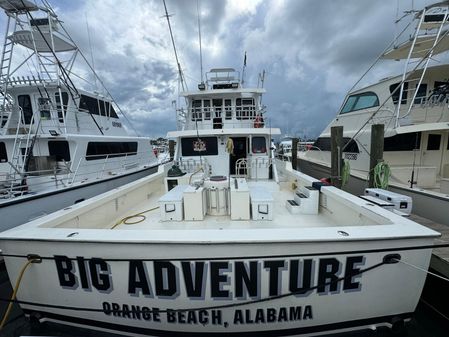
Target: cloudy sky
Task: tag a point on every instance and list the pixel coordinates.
(312, 51)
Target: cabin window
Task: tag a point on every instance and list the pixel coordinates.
(403, 142)
(217, 103)
(27, 110)
(204, 146)
(360, 101)
(228, 109)
(245, 108)
(59, 149)
(421, 95)
(395, 93)
(44, 104)
(102, 150)
(89, 104)
(324, 144)
(259, 145)
(102, 105)
(3, 153)
(433, 142)
(92, 105)
(196, 110)
(206, 105)
(61, 108)
(110, 112)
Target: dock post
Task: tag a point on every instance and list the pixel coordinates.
(376, 151)
(295, 153)
(336, 155)
(171, 149)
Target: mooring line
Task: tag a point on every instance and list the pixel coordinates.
(425, 271)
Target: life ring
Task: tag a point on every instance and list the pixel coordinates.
(258, 122)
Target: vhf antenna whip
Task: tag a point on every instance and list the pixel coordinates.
(199, 37)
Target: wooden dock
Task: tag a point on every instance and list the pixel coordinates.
(440, 256)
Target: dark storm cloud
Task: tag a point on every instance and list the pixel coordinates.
(312, 51)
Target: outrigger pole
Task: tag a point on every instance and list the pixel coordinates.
(181, 76)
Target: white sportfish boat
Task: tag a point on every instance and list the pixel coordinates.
(59, 144)
(228, 241)
(416, 139)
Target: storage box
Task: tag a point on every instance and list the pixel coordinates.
(194, 203)
(240, 207)
(401, 202)
(170, 204)
(261, 204)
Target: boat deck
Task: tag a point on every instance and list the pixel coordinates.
(282, 218)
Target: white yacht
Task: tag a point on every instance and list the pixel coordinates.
(59, 144)
(414, 110)
(228, 241)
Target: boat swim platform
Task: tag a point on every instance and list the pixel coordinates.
(440, 256)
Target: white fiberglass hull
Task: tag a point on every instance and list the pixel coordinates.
(271, 288)
(19, 210)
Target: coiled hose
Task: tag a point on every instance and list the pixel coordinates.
(382, 174)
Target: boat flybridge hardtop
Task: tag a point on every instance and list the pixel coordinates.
(59, 144)
(225, 241)
(414, 108)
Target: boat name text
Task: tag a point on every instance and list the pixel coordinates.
(199, 280)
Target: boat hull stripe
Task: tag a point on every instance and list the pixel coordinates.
(163, 333)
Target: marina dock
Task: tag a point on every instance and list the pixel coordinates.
(440, 256)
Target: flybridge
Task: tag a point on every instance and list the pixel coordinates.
(221, 78)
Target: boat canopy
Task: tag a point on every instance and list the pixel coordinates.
(422, 46)
(14, 6)
(43, 41)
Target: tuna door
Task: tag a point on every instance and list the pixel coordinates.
(434, 145)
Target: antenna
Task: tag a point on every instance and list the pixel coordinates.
(199, 37)
(181, 76)
(91, 52)
(243, 69)
(261, 79)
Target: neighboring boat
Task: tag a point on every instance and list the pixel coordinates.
(59, 144)
(285, 147)
(284, 150)
(228, 241)
(416, 143)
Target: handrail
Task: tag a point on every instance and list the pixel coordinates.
(40, 179)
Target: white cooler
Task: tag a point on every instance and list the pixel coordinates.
(261, 204)
(195, 203)
(240, 209)
(402, 203)
(170, 204)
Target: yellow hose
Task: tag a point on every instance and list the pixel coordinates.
(14, 293)
(137, 215)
